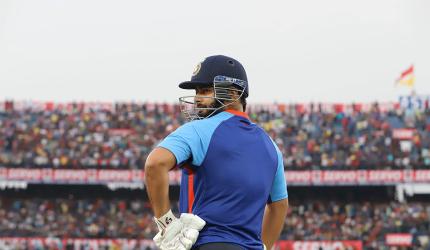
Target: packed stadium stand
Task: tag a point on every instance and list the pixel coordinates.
(71, 174)
(121, 136)
(325, 214)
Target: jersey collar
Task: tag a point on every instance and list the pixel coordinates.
(238, 113)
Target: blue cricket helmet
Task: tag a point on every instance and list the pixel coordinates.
(218, 68)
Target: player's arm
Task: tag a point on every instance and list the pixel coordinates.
(157, 166)
(273, 221)
(179, 233)
(174, 149)
(276, 209)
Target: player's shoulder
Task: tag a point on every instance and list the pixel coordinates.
(267, 136)
(185, 129)
(212, 121)
(262, 130)
(202, 126)
(192, 125)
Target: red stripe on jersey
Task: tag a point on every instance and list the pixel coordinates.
(190, 184)
(190, 192)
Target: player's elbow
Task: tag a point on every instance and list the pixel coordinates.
(153, 168)
(158, 162)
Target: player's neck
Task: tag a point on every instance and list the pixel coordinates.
(236, 106)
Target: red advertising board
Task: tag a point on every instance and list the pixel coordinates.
(77, 243)
(318, 245)
(357, 177)
(294, 178)
(36, 243)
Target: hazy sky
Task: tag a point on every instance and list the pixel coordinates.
(293, 51)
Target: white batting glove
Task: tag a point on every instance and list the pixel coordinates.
(178, 234)
(192, 226)
(169, 228)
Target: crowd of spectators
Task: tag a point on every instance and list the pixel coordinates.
(123, 136)
(70, 218)
(368, 222)
(312, 221)
(119, 138)
(350, 140)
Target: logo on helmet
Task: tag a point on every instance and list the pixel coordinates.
(197, 69)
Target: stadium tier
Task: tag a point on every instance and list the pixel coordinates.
(74, 215)
(357, 174)
(120, 136)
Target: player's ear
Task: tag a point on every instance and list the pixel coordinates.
(234, 93)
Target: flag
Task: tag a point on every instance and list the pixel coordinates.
(407, 78)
